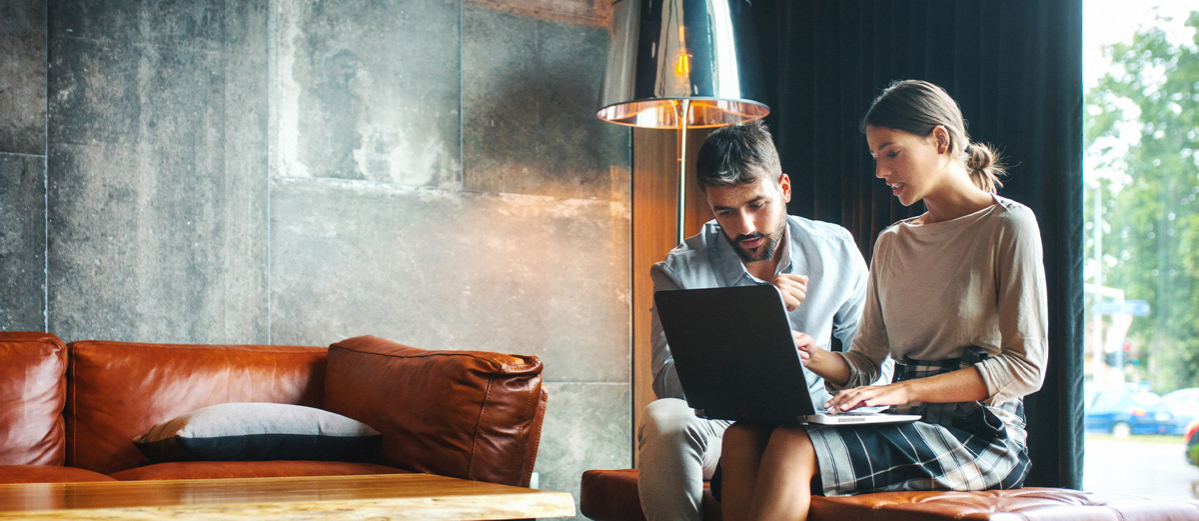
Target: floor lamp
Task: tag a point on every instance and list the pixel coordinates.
(681, 64)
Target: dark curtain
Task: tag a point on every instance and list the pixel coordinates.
(1015, 67)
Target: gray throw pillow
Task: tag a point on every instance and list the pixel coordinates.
(260, 432)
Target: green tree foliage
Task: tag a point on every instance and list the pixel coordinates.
(1150, 213)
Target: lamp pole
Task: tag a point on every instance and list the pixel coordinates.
(683, 109)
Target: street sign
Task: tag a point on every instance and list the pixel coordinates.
(1136, 308)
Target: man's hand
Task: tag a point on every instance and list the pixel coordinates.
(793, 287)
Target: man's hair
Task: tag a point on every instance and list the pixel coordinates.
(737, 154)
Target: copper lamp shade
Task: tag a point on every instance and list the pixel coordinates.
(678, 64)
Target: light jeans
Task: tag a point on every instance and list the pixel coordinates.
(676, 451)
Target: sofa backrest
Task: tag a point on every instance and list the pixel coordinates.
(33, 390)
(118, 390)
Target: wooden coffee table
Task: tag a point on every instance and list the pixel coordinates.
(384, 496)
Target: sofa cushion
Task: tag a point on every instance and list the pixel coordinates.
(611, 495)
(1032, 504)
(465, 414)
(259, 432)
(120, 389)
(47, 474)
(33, 391)
(251, 469)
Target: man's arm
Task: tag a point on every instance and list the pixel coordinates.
(666, 380)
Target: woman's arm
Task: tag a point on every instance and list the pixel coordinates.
(963, 385)
(1023, 309)
(864, 360)
(829, 366)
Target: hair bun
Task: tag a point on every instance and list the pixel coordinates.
(984, 166)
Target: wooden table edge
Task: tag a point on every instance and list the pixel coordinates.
(391, 496)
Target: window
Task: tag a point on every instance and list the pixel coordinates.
(1141, 175)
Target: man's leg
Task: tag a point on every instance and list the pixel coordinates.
(676, 452)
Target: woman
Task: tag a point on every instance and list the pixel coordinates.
(957, 295)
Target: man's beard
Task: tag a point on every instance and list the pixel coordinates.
(767, 253)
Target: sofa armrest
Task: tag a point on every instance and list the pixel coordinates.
(33, 393)
(465, 414)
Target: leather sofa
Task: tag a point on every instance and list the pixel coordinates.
(69, 412)
(611, 495)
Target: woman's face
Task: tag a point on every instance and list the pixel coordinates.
(910, 164)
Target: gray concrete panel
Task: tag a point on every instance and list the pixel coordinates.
(587, 426)
(529, 99)
(587, 12)
(22, 243)
(157, 171)
(194, 24)
(450, 270)
(23, 77)
(151, 245)
(366, 90)
(185, 99)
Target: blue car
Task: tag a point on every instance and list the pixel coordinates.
(1124, 412)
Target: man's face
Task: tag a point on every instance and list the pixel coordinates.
(753, 215)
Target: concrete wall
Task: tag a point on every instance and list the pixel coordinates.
(301, 171)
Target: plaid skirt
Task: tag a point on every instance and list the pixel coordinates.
(955, 446)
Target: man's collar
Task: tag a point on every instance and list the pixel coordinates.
(784, 265)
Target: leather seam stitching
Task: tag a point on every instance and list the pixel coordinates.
(474, 440)
(428, 353)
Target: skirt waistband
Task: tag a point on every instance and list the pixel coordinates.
(972, 416)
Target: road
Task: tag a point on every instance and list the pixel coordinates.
(1139, 468)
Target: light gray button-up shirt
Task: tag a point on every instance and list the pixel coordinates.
(825, 252)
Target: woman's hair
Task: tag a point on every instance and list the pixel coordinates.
(736, 154)
(918, 107)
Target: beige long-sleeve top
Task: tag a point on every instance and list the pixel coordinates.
(936, 289)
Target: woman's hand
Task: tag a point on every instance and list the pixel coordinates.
(818, 360)
(807, 347)
(869, 396)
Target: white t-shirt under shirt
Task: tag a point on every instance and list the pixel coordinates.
(936, 289)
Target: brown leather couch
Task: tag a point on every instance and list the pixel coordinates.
(611, 495)
(69, 412)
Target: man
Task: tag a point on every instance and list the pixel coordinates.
(816, 267)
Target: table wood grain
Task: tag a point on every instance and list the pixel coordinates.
(386, 496)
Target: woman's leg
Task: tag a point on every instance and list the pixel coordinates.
(784, 478)
(740, 456)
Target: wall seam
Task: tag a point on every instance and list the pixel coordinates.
(461, 97)
(22, 154)
(46, 186)
(270, 297)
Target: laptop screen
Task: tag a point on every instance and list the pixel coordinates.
(734, 353)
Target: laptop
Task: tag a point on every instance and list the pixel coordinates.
(736, 359)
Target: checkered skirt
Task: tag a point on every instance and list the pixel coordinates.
(956, 446)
